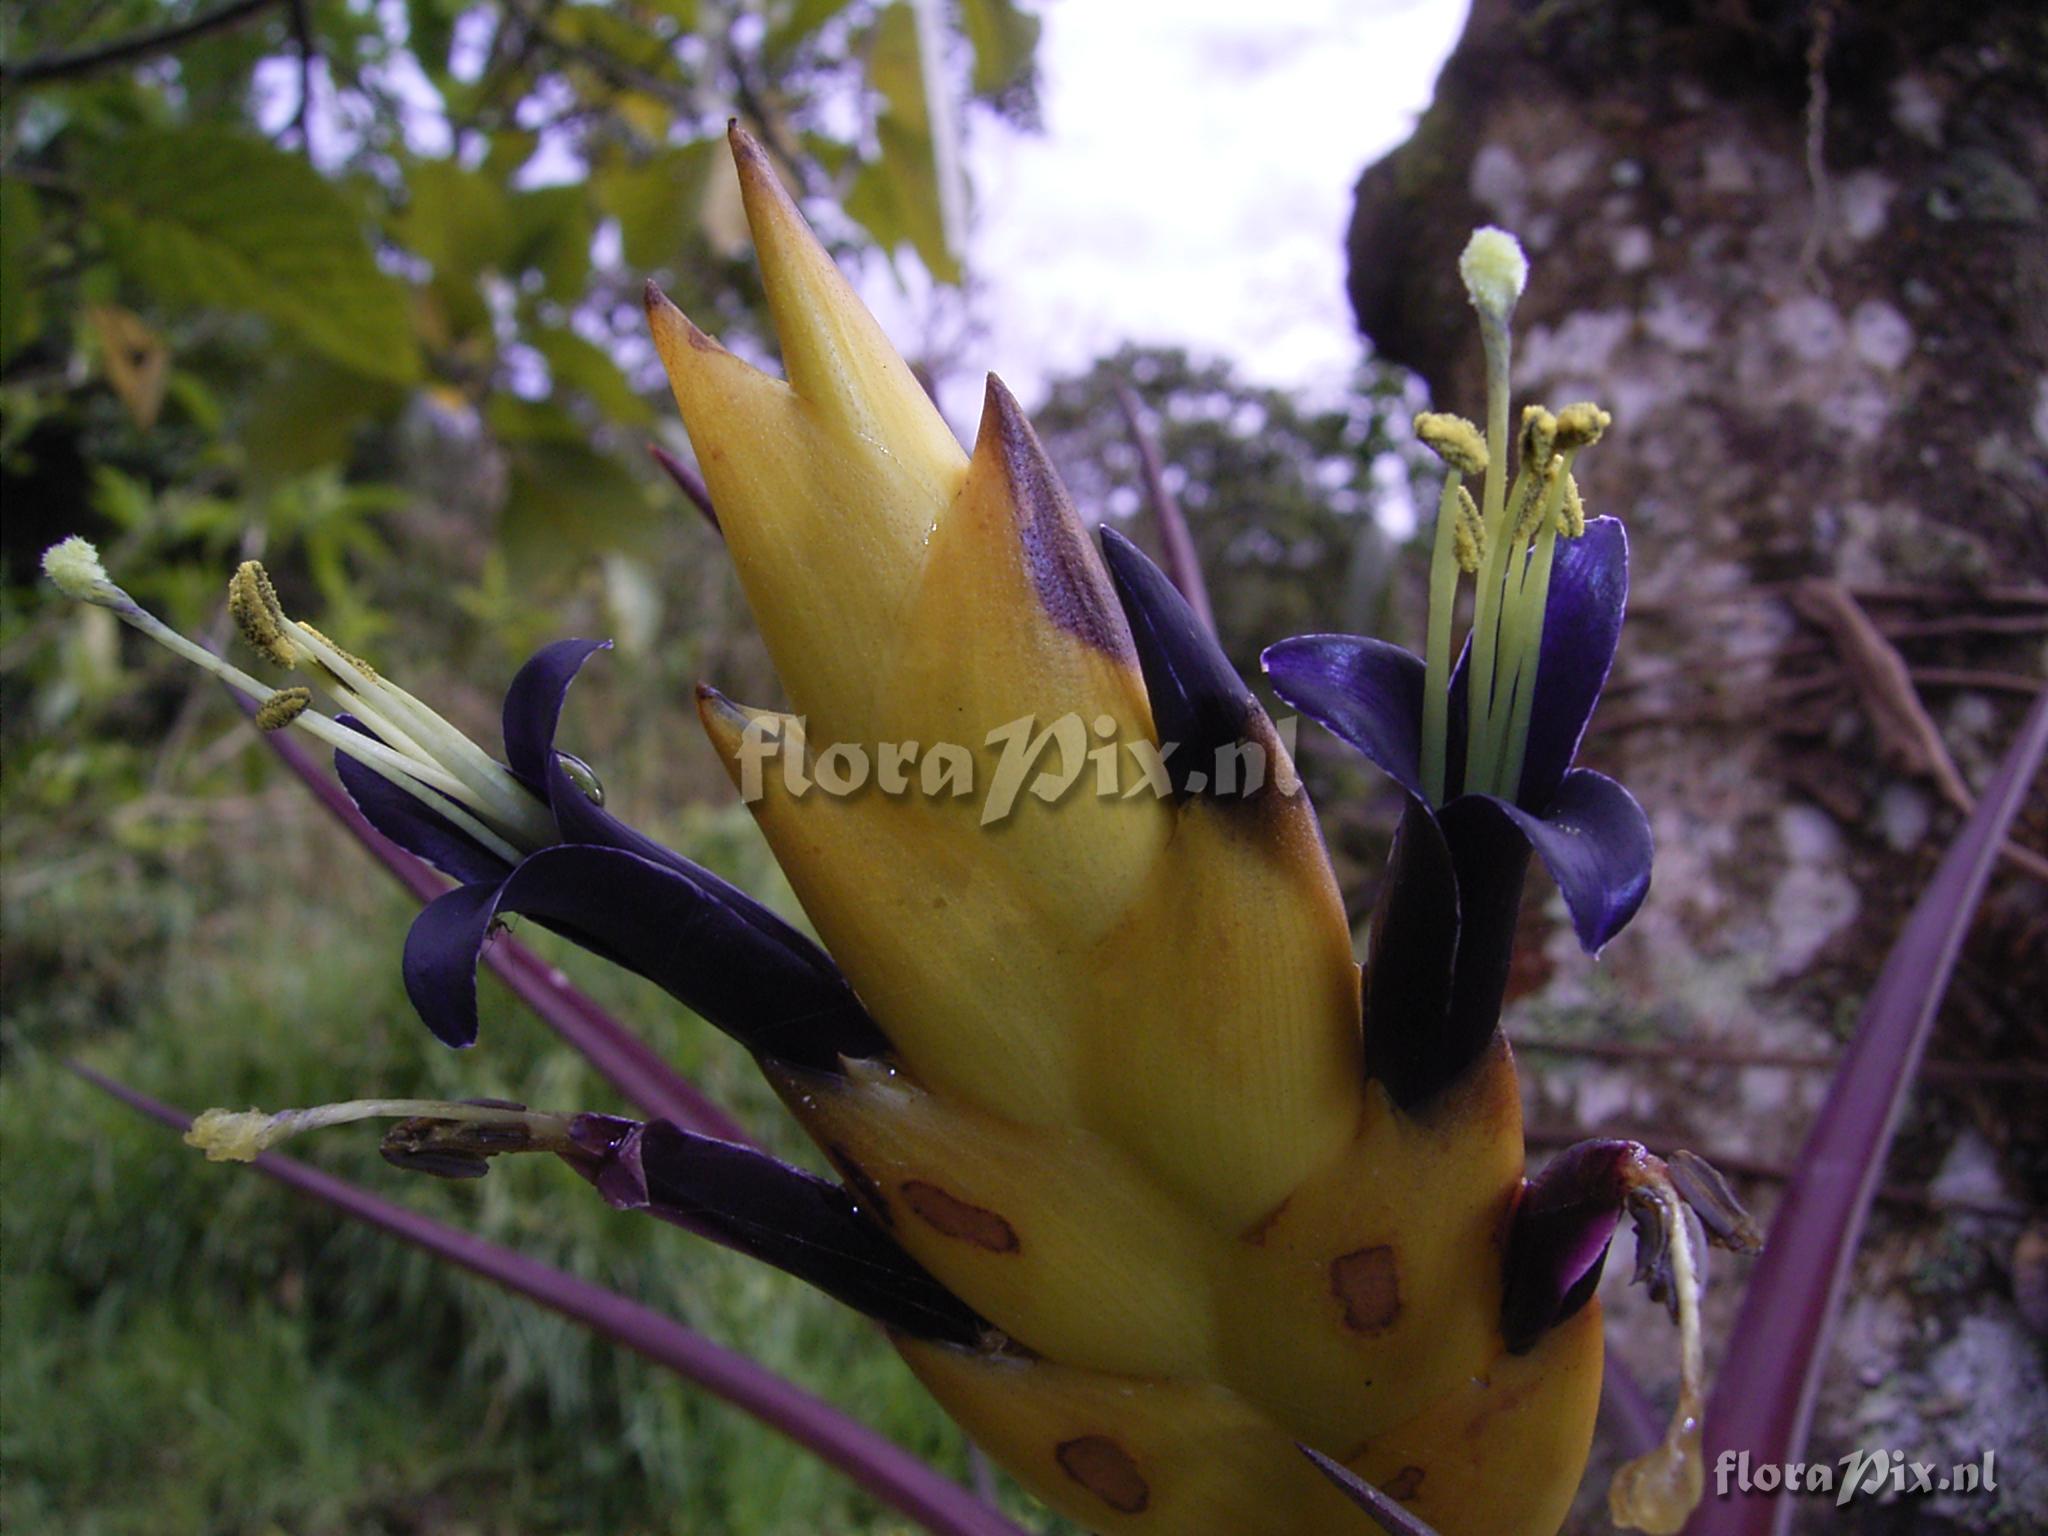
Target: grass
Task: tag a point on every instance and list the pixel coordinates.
(190, 1348)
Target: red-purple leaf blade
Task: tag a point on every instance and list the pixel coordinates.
(1763, 1402)
(624, 1061)
(884, 1469)
(1389, 1514)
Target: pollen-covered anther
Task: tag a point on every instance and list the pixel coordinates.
(252, 602)
(282, 708)
(1571, 512)
(369, 672)
(1538, 439)
(1580, 426)
(1538, 492)
(1453, 439)
(1468, 534)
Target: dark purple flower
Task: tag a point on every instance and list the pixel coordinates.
(1445, 921)
(616, 892)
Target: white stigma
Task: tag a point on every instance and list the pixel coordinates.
(1495, 272)
(74, 566)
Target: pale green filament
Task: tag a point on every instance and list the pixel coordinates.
(492, 807)
(240, 1136)
(1522, 647)
(1443, 597)
(1511, 539)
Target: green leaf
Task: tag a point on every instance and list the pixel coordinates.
(461, 224)
(582, 366)
(899, 198)
(20, 307)
(802, 18)
(304, 414)
(551, 235)
(1004, 39)
(656, 202)
(210, 218)
(567, 502)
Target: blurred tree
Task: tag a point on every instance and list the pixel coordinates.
(1283, 497)
(259, 253)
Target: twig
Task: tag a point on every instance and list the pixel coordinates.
(1788, 1061)
(309, 51)
(127, 50)
(688, 482)
(1896, 713)
(1910, 1195)
(1183, 566)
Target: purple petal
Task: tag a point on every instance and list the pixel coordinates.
(1595, 841)
(1581, 627)
(1411, 965)
(1558, 1241)
(1200, 706)
(1366, 692)
(416, 827)
(533, 706)
(1491, 857)
(694, 936)
(800, 1223)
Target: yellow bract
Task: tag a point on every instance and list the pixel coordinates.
(1127, 1119)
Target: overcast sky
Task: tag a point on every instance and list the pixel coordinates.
(1192, 184)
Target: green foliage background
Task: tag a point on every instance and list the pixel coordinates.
(393, 345)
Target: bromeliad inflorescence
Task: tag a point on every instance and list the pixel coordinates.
(1144, 1188)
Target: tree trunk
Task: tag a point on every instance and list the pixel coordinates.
(1801, 252)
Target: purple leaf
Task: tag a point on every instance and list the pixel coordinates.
(1389, 1514)
(1763, 1402)
(888, 1472)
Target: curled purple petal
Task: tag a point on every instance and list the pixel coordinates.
(441, 951)
(1367, 692)
(533, 707)
(1558, 1241)
(796, 1221)
(415, 826)
(690, 934)
(1595, 841)
(1581, 627)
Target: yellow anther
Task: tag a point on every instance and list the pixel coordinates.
(253, 603)
(350, 657)
(1579, 426)
(282, 708)
(1468, 535)
(1571, 513)
(1538, 440)
(1454, 440)
(1536, 491)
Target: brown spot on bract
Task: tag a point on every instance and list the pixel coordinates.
(1404, 1484)
(956, 1218)
(1106, 1470)
(1368, 1283)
